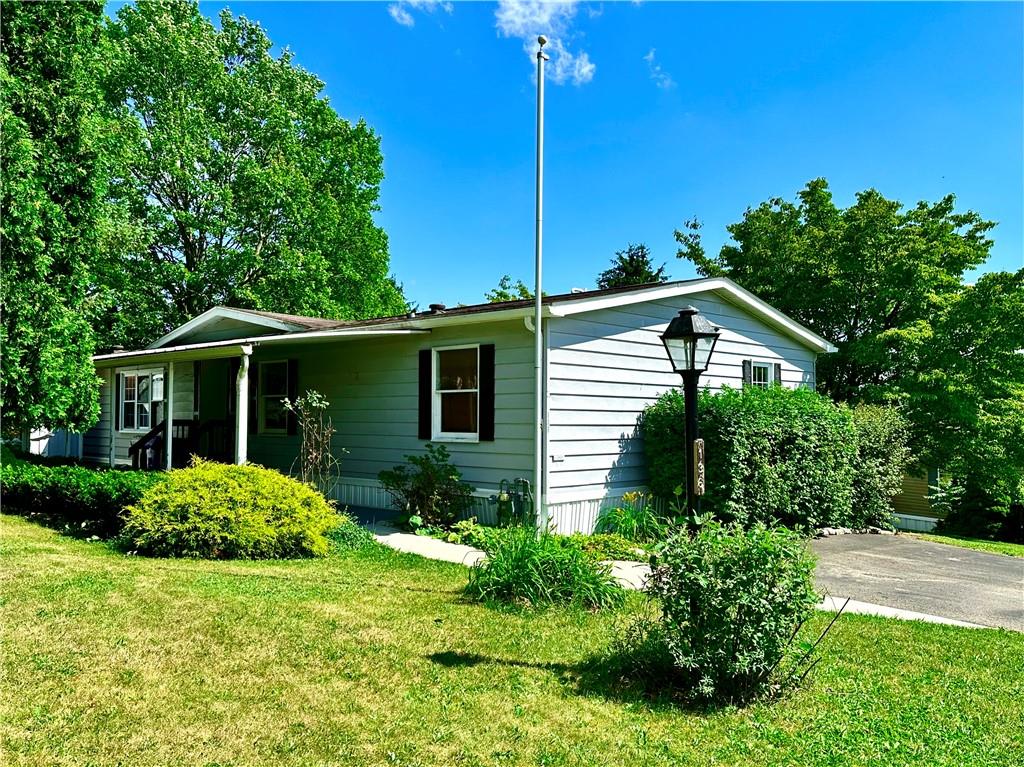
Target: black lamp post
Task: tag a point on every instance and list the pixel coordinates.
(689, 340)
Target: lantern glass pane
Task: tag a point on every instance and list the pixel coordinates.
(681, 352)
(702, 354)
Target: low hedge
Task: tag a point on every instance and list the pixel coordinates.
(222, 511)
(776, 455)
(73, 499)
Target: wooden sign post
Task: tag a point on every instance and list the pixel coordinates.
(698, 467)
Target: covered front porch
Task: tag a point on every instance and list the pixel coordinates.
(164, 406)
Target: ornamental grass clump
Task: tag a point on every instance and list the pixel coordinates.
(530, 569)
(221, 511)
(732, 603)
(635, 520)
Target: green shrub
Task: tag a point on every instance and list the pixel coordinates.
(599, 546)
(635, 519)
(732, 601)
(882, 458)
(774, 454)
(7, 455)
(349, 535)
(524, 568)
(432, 489)
(73, 499)
(469, 532)
(980, 506)
(604, 546)
(213, 511)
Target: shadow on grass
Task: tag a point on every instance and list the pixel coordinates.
(614, 676)
(106, 531)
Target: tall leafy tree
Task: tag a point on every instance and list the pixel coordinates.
(632, 266)
(887, 285)
(52, 212)
(508, 291)
(870, 277)
(238, 183)
(964, 386)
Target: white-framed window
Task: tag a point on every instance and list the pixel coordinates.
(456, 392)
(142, 396)
(272, 388)
(760, 374)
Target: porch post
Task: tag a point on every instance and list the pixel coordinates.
(242, 408)
(169, 416)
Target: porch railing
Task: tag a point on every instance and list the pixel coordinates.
(213, 439)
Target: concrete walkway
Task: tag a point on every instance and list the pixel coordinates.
(632, 575)
(425, 546)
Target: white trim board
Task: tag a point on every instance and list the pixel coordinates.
(564, 307)
(220, 313)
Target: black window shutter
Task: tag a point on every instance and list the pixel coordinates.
(116, 399)
(197, 368)
(233, 364)
(778, 373)
(293, 393)
(254, 415)
(487, 392)
(747, 366)
(425, 393)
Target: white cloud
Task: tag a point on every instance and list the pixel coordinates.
(400, 11)
(402, 16)
(661, 78)
(526, 19)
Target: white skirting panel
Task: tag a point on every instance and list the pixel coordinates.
(365, 493)
(368, 494)
(577, 515)
(581, 515)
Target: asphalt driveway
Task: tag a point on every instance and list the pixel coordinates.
(899, 571)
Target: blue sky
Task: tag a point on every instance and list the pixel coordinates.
(665, 111)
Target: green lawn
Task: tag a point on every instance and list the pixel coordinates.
(108, 659)
(993, 547)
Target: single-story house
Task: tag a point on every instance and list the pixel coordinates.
(463, 377)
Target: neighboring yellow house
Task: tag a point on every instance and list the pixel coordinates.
(913, 506)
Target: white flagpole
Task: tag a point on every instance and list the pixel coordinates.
(539, 491)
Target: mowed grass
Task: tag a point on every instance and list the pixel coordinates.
(994, 547)
(376, 660)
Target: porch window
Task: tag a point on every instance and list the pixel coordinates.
(142, 394)
(457, 393)
(760, 375)
(273, 387)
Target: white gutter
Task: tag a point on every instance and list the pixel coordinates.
(207, 351)
(721, 285)
(237, 346)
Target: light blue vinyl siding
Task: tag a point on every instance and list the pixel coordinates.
(606, 366)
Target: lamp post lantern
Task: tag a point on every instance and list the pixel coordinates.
(689, 340)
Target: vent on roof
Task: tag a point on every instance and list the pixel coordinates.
(578, 290)
(437, 308)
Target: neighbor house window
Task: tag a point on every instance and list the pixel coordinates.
(760, 374)
(273, 387)
(456, 393)
(142, 394)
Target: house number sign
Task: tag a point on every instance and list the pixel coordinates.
(698, 467)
